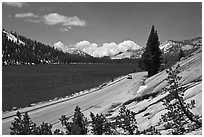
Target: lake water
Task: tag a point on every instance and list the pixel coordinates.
(23, 85)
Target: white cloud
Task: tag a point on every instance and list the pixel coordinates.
(28, 17)
(60, 46)
(128, 45)
(52, 19)
(87, 47)
(25, 15)
(16, 4)
(55, 18)
(107, 49)
(65, 29)
(74, 21)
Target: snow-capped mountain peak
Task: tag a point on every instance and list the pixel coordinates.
(69, 49)
(172, 46)
(165, 46)
(73, 50)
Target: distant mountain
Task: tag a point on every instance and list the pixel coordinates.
(172, 46)
(77, 52)
(130, 54)
(196, 41)
(69, 49)
(171, 50)
(167, 47)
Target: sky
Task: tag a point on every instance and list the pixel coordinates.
(102, 28)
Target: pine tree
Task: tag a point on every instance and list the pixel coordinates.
(22, 125)
(178, 114)
(43, 129)
(100, 125)
(151, 58)
(78, 125)
(127, 122)
(181, 54)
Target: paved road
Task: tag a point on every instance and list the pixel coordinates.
(97, 102)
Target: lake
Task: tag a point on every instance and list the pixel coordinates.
(24, 85)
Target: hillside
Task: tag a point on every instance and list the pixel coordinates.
(150, 108)
(146, 100)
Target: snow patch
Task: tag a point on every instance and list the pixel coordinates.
(142, 88)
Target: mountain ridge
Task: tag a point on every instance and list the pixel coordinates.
(168, 46)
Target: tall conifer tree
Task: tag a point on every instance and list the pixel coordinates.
(151, 58)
